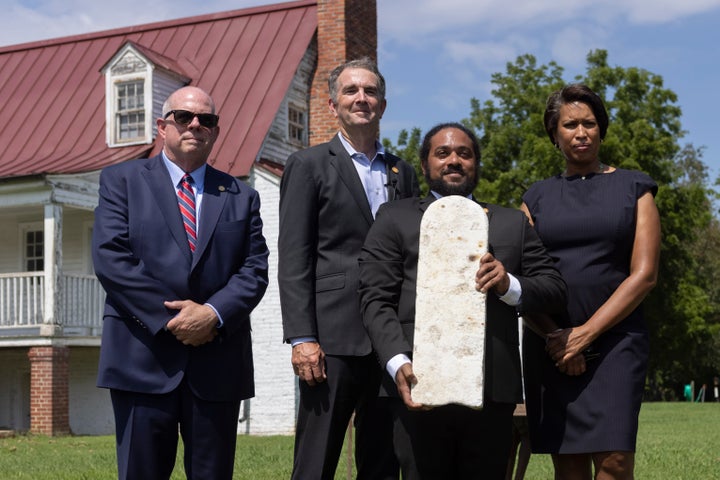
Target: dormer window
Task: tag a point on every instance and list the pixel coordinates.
(137, 81)
(128, 89)
(130, 111)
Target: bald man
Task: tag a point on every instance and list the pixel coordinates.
(179, 249)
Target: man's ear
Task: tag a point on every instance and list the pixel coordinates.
(383, 106)
(161, 127)
(331, 106)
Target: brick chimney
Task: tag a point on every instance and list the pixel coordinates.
(347, 29)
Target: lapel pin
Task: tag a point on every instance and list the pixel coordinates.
(221, 188)
(394, 169)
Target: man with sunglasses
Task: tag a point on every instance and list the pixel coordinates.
(179, 249)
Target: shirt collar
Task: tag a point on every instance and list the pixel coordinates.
(176, 173)
(438, 196)
(379, 149)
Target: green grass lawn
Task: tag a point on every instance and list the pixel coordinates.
(676, 441)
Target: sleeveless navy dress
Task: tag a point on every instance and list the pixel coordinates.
(587, 225)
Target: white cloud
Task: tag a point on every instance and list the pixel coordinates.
(408, 22)
(483, 55)
(570, 45)
(417, 21)
(662, 11)
(25, 21)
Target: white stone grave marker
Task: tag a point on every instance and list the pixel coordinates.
(449, 342)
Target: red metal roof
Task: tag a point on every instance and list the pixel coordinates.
(52, 92)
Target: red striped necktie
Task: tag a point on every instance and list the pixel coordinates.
(186, 201)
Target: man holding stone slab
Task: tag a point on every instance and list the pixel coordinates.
(514, 274)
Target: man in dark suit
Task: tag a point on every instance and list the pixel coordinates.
(453, 441)
(328, 196)
(181, 280)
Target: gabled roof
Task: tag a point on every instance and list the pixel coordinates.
(158, 60)
(53, 91)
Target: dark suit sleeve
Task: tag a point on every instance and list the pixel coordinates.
(543, 288)
(297, 246)
(382, 267)
(246, 286)
(121, 272)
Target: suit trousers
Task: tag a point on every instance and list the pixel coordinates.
(147, 434)
(325, 410)
(453, 441)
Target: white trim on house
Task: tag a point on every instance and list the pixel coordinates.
(79, 191)
(87, 263)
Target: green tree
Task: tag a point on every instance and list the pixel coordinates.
(644, 134)
(408, 148)
(515, 148)
(680, 309)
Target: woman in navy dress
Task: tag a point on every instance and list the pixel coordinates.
(584, 380)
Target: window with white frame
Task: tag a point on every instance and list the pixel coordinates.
(33, 242)
(297, 124)
(130, 111)
(128, 80)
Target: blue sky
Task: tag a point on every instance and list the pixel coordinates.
(438, 54)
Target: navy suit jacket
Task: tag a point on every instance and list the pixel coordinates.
(388, 275)
(142, 258)
(324, 217)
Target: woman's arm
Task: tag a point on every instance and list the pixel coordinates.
(644, 264)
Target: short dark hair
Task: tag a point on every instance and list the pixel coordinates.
(425, 146)
(366, 63)
(575, 92)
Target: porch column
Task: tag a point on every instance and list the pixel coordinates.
(49, 390)
(52, 260)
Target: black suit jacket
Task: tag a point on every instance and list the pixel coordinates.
(324, 217)
(388, 273)
(142, 258)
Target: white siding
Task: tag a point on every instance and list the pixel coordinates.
(163, 85)
(90, 406)
(75, 229)
(272, 411)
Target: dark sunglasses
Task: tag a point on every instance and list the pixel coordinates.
(185, 118)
